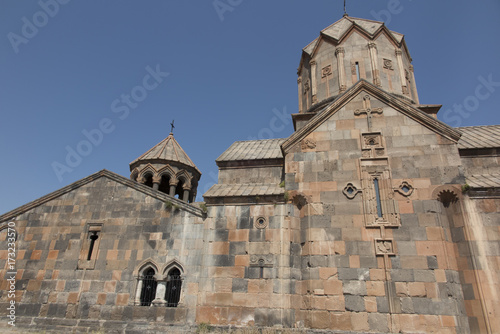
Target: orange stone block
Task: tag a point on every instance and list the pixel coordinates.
(448, 321)
(53, 254)
(36, 255)
(405, 206)
(34, 285)
(122, 299)
(110, 286)
(416, 289)
(375, 288)
(354, 261)
(238, 235)
(112, 255)
(434, 233)
(72, 298)
(60, 285)
(326, 273)
(333, 287)
(371, 304)
(377, 274)
(219, 248)
(242, 260)
(429, 248)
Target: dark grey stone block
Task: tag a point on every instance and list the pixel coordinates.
(354, 303)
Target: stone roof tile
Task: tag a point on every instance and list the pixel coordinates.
(238, 190)
(484, 181)
(253, 150)
(487, 136)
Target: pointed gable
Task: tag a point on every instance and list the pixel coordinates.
(397, 103)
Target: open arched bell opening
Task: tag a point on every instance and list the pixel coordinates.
(148, 290)
(164, 184)
(174, 285)
(148, 180)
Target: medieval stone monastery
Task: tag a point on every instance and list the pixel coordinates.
(372, 217)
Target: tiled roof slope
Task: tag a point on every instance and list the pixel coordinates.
(484, 181)
(487, 136)
(236, 190)
(339, 28)
(253, 150)
(168, 149)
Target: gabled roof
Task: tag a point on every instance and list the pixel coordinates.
(473, 137)
(110, 175)
(253, 150)
(391, 100)
(168, 150)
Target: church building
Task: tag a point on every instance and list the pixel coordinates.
(372, 217)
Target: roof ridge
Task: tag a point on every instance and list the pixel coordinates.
(102, 173)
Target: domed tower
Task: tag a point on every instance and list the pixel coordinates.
(167, 168)
(350, 50)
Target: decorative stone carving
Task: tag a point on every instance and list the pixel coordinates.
(261, 260)
(339, 50)
(447, 197)
(385, 247)
(368, 110)
(405, 188)
(326, 71)
(260, 223)
(307, 86)
(350, 191)
(388, 64)
(353, 68)
(308, 144)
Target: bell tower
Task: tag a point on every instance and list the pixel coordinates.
(167, 168)
(350, 50)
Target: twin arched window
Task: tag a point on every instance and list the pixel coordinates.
(166, 291)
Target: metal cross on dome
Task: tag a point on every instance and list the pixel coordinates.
(172, 127)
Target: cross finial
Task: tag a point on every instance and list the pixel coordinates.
(172, 127)
(345, 10)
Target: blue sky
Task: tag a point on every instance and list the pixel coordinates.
(223, 74)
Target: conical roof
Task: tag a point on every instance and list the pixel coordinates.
(167, 150)
(338, 29)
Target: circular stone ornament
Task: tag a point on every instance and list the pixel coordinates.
(260, 223)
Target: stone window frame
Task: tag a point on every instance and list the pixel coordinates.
(372, 169)
(84, 262)
(161, 278)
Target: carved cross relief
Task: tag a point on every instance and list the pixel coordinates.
(368, 110)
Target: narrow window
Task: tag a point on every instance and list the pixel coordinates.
(377, 194)
(93, 236)
(357, 71)
(261, 269)
(149, 283)
(174, 284)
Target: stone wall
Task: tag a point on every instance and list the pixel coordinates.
(358, 274)
(54, 278)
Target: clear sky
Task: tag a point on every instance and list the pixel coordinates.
(225, 70)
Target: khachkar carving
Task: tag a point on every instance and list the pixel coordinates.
(385, 247)
(368, 111)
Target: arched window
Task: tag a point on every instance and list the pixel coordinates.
(174, 285)
(165, 184)
(148, 180)
(148, 291)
